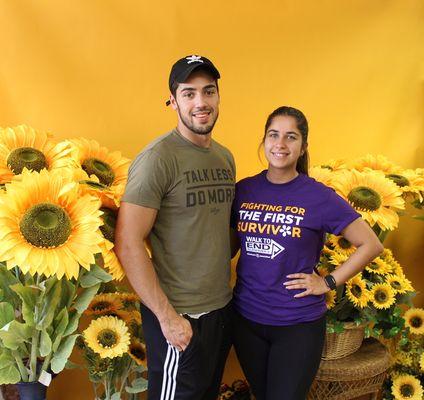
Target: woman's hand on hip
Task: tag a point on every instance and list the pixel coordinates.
(312, 283)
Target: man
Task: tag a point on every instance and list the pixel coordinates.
(178, 198)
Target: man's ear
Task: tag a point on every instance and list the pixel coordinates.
(174, 104)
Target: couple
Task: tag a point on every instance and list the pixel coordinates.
(180, 200)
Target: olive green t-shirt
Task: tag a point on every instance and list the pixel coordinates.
(192, 188)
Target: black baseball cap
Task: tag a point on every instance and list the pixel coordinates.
(182, 69)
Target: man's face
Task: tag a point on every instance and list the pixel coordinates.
(197, 103)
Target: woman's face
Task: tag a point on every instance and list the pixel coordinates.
(283, 144)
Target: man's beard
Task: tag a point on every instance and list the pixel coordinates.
(199, 130)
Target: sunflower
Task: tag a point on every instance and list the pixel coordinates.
(407, 387)
(330, 299)
(322, 174)
(374, 196)
(137, 351)
(414, 320)
(104, 304)
(341, 245)
(109, 196)
(409, 182)
(422, 362)
(110, 260)
(107, 336)
(47, 227)
(335, 165)
(129, 300)
(394, 266)
(338, 259)
(124, 315)
(398, 283)
(374, 163)
(23, 147)
(326, 250)
(110, 167)
(356, 291)
(403, 358)
(382, 295)
(378, 266)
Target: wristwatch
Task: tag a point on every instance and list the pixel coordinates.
(330, 281)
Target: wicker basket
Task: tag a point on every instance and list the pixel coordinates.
(339, 345)
(359, 374)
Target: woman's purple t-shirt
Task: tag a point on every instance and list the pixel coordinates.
(281, 228)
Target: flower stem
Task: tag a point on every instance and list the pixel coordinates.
(33, 360)
(22, 370)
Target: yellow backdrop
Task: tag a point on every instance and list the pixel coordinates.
(99, 69)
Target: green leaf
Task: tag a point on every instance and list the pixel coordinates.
(139, 368)
(116, 396)
(138, 385)
(45, 344)
(419, 217)
(16, 334)
(7, 314)
(28, 297)
(60, 324)
(73, 323)
(94, 276)
(9, 375)
(68, 293)
(406, 298)
(72, 365)
(6, 359)
(7, 279)
(49, 303)
(64, 351)
(85, 297)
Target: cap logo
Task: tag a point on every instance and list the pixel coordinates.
(193, 59)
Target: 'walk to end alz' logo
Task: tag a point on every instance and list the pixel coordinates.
(262, 247)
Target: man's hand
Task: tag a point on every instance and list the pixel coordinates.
(313, 283)
(177, 330)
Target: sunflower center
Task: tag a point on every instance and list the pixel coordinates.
(101, 305)
(381, 296)
(45, 225)
(400, 180)
(344, 244)
(416, 322)
(356, 291)
(109, 223)
(95, 185)
(396, 285)
(107, 338)
(99, 168)
(406, 347)
(407, 390)
(365, 198)
(28, 157)
(138, 352)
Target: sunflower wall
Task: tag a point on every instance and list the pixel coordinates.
(99, 69)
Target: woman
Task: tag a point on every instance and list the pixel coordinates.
(280, 217)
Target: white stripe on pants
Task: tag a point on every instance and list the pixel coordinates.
(170, 369)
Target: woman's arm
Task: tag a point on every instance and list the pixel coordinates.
(367, 246)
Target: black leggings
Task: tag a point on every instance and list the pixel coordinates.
(280, 362)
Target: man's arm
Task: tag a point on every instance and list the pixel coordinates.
(133, 226)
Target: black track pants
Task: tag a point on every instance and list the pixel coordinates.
(195, 373)
(280, 362)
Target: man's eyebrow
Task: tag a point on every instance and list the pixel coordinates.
(211, 86)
